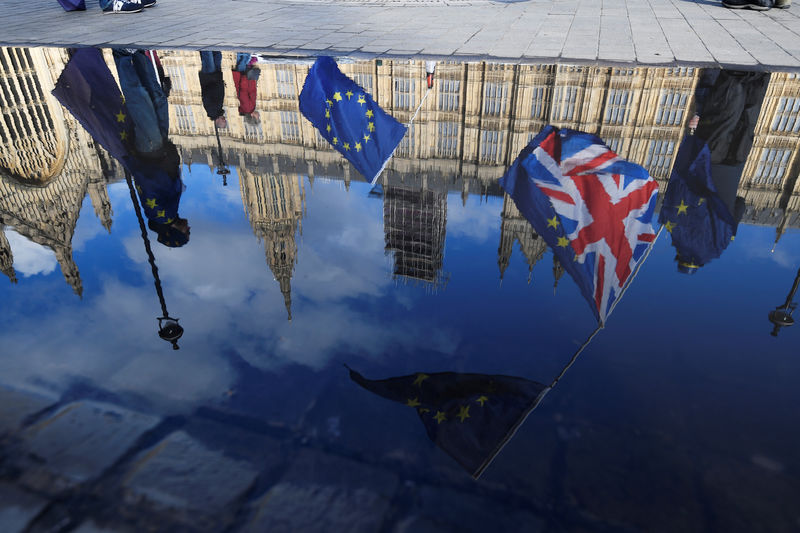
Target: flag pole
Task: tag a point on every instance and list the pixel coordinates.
(564, 370)
(601, 325)
(408, 125)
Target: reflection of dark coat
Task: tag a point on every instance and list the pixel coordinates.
(212, 89)
(728, 102)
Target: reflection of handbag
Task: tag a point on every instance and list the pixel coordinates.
(253, 73)
(73, 5)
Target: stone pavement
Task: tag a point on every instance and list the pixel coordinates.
(641, 31)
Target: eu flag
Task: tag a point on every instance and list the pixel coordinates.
(700, 222)
(592, 208)
(469, 416)
(349, 119)
(90, 93)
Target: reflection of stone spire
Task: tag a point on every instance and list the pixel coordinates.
(779, 230)
(6, 257)
(286, 290)
(101, 203)
(558, 271)
(69, 269)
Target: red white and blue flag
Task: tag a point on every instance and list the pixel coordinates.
(594, 209)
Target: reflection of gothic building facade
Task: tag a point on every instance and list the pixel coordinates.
(48, 162)
(478, 117)
(414, 224)
(471, 126)
(274, 203)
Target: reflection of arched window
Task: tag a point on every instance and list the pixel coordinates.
(659, 158)
(772, 166)
(285, 83)
(449, 92)
(617, 106)
(671, 107)
(787, 115)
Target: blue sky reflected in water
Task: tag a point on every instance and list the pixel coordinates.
(685, 378)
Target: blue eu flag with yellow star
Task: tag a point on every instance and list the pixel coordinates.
(349, 119)
(90, 93)
(698, 219)
(469, 416)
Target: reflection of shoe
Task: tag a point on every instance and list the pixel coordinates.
(758, 5)
(783, 4)
(148, 3)
(123, 6)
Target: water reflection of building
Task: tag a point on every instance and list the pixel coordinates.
(478, 117)
(473, 123)
(48, 162)
(274, 203)
(414, 224)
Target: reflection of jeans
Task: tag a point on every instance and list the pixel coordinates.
(210, 62)
(242, 59)
(105, 3)
(147, 105)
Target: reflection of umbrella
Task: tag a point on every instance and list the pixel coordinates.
(782, 315)
(168, 327)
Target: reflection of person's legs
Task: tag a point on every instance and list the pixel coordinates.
(210, 62)
(147, 133)
(149, 79)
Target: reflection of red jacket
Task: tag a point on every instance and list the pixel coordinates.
(246, 91)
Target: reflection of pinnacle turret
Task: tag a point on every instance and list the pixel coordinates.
(69, 269)
(558, 271)
(286, 290)
(6, 257)
(514, 228)
(101, 203)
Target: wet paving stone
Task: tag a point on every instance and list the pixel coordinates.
(195, 484)
(16, 406)
(322, 492)
(78, 443)
(18, 508)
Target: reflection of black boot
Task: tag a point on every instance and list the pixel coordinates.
(758, 5)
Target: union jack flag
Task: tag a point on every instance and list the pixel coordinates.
(594, 209)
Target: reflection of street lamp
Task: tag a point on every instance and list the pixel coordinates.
(170, 330)
(168, 327)
(222, 170)
(782, 315)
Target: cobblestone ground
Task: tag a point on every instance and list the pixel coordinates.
(642, 31)
(92, 467)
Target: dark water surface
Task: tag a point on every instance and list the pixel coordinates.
(680, 415)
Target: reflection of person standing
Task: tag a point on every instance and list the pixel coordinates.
(245, 79)
(154, 162)
(212, 87)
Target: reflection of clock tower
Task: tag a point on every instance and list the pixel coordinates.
(274, 204)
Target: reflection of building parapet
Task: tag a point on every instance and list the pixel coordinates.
(274, 203)
(414, 225)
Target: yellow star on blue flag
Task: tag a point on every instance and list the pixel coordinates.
(327, 102)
